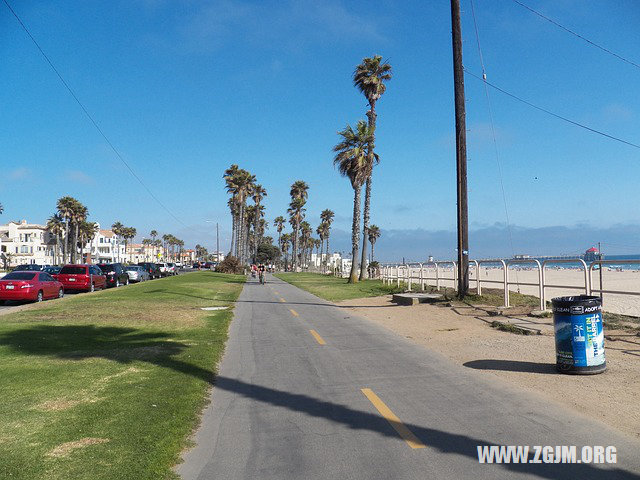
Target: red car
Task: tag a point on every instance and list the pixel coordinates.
(86, 278)
(35, 286)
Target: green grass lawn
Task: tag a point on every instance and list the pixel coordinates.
(109, 385)
(336, 289)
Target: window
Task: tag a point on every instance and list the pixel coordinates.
(45, 277)
(23, 249)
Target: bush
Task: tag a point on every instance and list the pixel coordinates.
(230, 264)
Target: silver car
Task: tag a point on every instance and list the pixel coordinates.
(136, 273)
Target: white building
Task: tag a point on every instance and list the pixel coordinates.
(106, 247)
(22, 242)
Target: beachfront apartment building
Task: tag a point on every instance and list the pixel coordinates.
(105, 247)
(23, 242)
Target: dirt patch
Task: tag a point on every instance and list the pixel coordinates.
(66, 449)
(465, 336)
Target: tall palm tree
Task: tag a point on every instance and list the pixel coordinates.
(128, 234)
(117, 228)
(354, 162)
(299, 193)
(327, 219)
(321, 232)
(230, 181)
(369, 77)
(374, 235)
(259, 192)
(55, 227)
(79, 216)
(285, 239)
(278, 222)
(65, 207)
(305, 238)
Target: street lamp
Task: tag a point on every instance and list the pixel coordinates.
(217, 240)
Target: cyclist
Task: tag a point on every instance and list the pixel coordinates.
(261, 269)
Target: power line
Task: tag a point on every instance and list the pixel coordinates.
(549, 112)
(575, 34)
(86, 112)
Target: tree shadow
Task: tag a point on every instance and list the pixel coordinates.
(128, 344)
(512, 366)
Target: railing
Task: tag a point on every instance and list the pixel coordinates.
(405, 274)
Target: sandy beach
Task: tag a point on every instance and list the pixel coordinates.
(572, 281)
(463, 335)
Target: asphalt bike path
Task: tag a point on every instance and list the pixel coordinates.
(308, 391)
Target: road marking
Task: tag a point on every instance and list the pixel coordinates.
(283, 300)
(390, 417)
(276, 292)
(318, 338)
(293, 312)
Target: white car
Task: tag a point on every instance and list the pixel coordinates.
(164, 269)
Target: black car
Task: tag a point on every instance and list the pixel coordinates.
(31, 267)
(151, 268)
(115, 274)
(53, 270)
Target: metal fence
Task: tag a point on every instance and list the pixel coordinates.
(444, 274)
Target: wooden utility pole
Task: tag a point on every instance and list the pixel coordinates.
(461, 152)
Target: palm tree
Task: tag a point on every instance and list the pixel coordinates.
(321, 232)
(55, 227)
(65, 207)
(299, 193)
(79, 216)
(259, 192)
(285, 239)
(117, 229)
(128, 234)
(305, 238)
(354, 162)
(369, 77)
(374, 235)
(327, 219)
(278, 222)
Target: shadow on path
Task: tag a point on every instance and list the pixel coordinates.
(124, 345)
(512, 366)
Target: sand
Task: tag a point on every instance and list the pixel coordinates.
(528, 362)
(572, 280)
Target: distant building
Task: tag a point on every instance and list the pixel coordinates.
(106, 247)
(591, 255)
(22, 242)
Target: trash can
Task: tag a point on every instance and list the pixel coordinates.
(577, 323)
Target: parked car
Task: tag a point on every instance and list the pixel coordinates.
(31, 267)
(83, 277)
(52, 270)
(164, 270)
(137, 273)
(29, 285)
(196, 265)
(116, 276)
(208, 265)
(151, 268)
(172, 269)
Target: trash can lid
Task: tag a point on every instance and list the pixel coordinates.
(565, 304)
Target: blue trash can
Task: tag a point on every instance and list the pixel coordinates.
(577, 323)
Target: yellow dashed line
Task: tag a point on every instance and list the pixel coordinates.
(293, 312)
(318, 338)
(283, 300)
(390, 417)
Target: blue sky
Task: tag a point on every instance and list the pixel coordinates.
(185, 88)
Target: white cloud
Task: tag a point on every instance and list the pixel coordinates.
(80, 177)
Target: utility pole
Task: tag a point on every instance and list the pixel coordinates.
(461, 152)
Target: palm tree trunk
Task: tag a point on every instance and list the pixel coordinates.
(326, 260)
(294, 247)
(355, 235)
(371, 117)
(365, 229)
